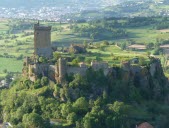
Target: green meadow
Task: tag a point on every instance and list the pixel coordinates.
(10, 64)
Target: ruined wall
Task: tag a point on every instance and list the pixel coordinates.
(42, 69)
(35, 70)
(51, 72)
(76, 70)
(60, 70)
(99, 65)
(31, 72)
(62, 67)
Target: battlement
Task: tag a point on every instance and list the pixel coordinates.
(42, 28)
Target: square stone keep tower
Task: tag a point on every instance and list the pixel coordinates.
(42, 40)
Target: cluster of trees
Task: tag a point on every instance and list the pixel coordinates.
(163, 24)
(94, 100)
(110, 24)
(110, 28)
(18, 57)
(99, 31)
(18, 25)
(139, 21)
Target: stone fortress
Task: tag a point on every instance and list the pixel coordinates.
(32, 68)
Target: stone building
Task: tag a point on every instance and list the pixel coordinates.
(42, 40)
(76, 49)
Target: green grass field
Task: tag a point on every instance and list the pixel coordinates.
(114, 55)
(11, 64)
(3, 25)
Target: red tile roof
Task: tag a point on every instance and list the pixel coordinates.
(145, 125)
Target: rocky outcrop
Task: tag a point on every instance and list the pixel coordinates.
(149, 78)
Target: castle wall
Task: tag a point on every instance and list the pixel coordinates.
(99, 65)
(42, 69)
(31, 73)
(51, 72)
(76, 70)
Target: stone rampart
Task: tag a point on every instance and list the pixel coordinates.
(76, 70)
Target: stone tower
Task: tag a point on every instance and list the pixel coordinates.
(61, 70)
(42, 40)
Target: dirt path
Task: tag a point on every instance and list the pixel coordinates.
(137, 46)
(164, 30)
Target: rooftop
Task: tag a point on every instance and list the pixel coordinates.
(145, 125)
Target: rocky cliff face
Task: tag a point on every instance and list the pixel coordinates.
(126, 83)
(149, 78)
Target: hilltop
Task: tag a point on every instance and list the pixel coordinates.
(133, 90)
(125, 97)
(62, 89)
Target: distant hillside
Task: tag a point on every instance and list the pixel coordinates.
(139, 8)
(133, 8)
(83, 9)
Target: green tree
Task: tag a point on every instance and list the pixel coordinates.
(149, 45)
(42, 59)
(123, 45)
(105, 43)
(33, 120)
(87, 123)
(81, 105)
(37, 84)
(79, 82)
(75, 62)
(44, 81)
(71, 118)
(120, 112)
(56, 55)
(142, 61)
(5, 71)
(85, 44)
(66, 109)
